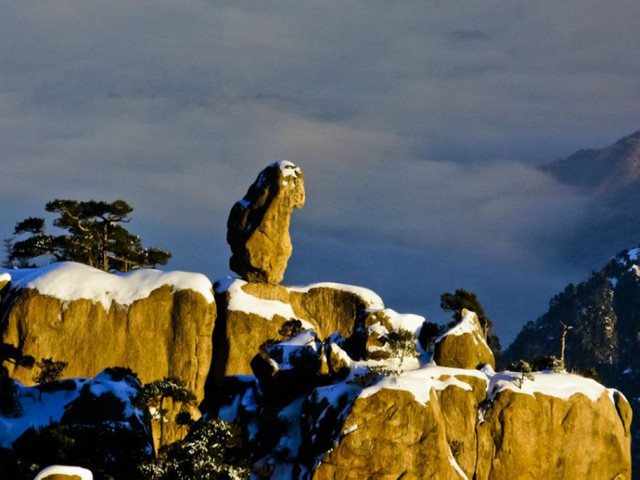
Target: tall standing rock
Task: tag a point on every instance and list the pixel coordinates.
(258, 225)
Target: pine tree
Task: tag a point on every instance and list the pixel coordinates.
(95, 237)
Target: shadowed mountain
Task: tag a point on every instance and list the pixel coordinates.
(611, 178)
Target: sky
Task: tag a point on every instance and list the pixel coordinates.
(419, 126)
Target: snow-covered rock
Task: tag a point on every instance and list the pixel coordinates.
(158, 324)
(250, 313)
(464, 346)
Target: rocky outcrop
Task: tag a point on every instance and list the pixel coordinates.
(430, 422)
(390, 435)
(464, 345)
(250, 313)
(258, 225)
(549, 437)
(157, 324)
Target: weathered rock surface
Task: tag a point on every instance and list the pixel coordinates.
(145, 321)
(258, 225)
(464, 346)
(250, 313)
(550, 437)
(393, 436)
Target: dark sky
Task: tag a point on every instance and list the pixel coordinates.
(418, 124)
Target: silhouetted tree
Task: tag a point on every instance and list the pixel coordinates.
(462, 299)
(95, 237)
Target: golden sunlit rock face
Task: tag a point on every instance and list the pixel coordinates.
(258, 225)
(164, 334)
(464, 345)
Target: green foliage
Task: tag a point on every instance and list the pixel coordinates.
(548, 362)
(109, 447)
(50, 371)
(95, 237)
(525, 369)
(592, 373)
(428, 334)
(204, 454)
(402, 343)
(462, 299)
(366, 379)
(290, 328)
(154, 394)
(456, 447)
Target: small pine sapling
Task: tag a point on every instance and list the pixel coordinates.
(525, 369)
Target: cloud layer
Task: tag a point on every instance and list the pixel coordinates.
(418, 127)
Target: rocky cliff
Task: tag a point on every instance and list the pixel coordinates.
(602, 314)
(402, 418)
(251, 313)
(158, 324)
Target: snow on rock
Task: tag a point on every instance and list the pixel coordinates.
(69, 281)
(466, 325)
(287, 168)
(464, 345)
(240, 301)
(560, 385)
(40, 408)
(404, 321)
(633, 254)
(70, 471)
(422, 381)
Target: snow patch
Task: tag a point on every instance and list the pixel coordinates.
(241, 301)
(69, 281)
(422, 381)
(560, 385)
(404, 321)
(83, 473)
(287, 168)
(457, 468)
(466, 325)
(347, 431)
(633, 254)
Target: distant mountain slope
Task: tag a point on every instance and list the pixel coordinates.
(604, 312)
(607, 171)
(611, 178)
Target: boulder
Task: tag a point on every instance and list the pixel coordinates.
(258, 225)
(551, 437)
(157, 324)
(299, 363)
(464, 345)
(251, 313)
(391, 435)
